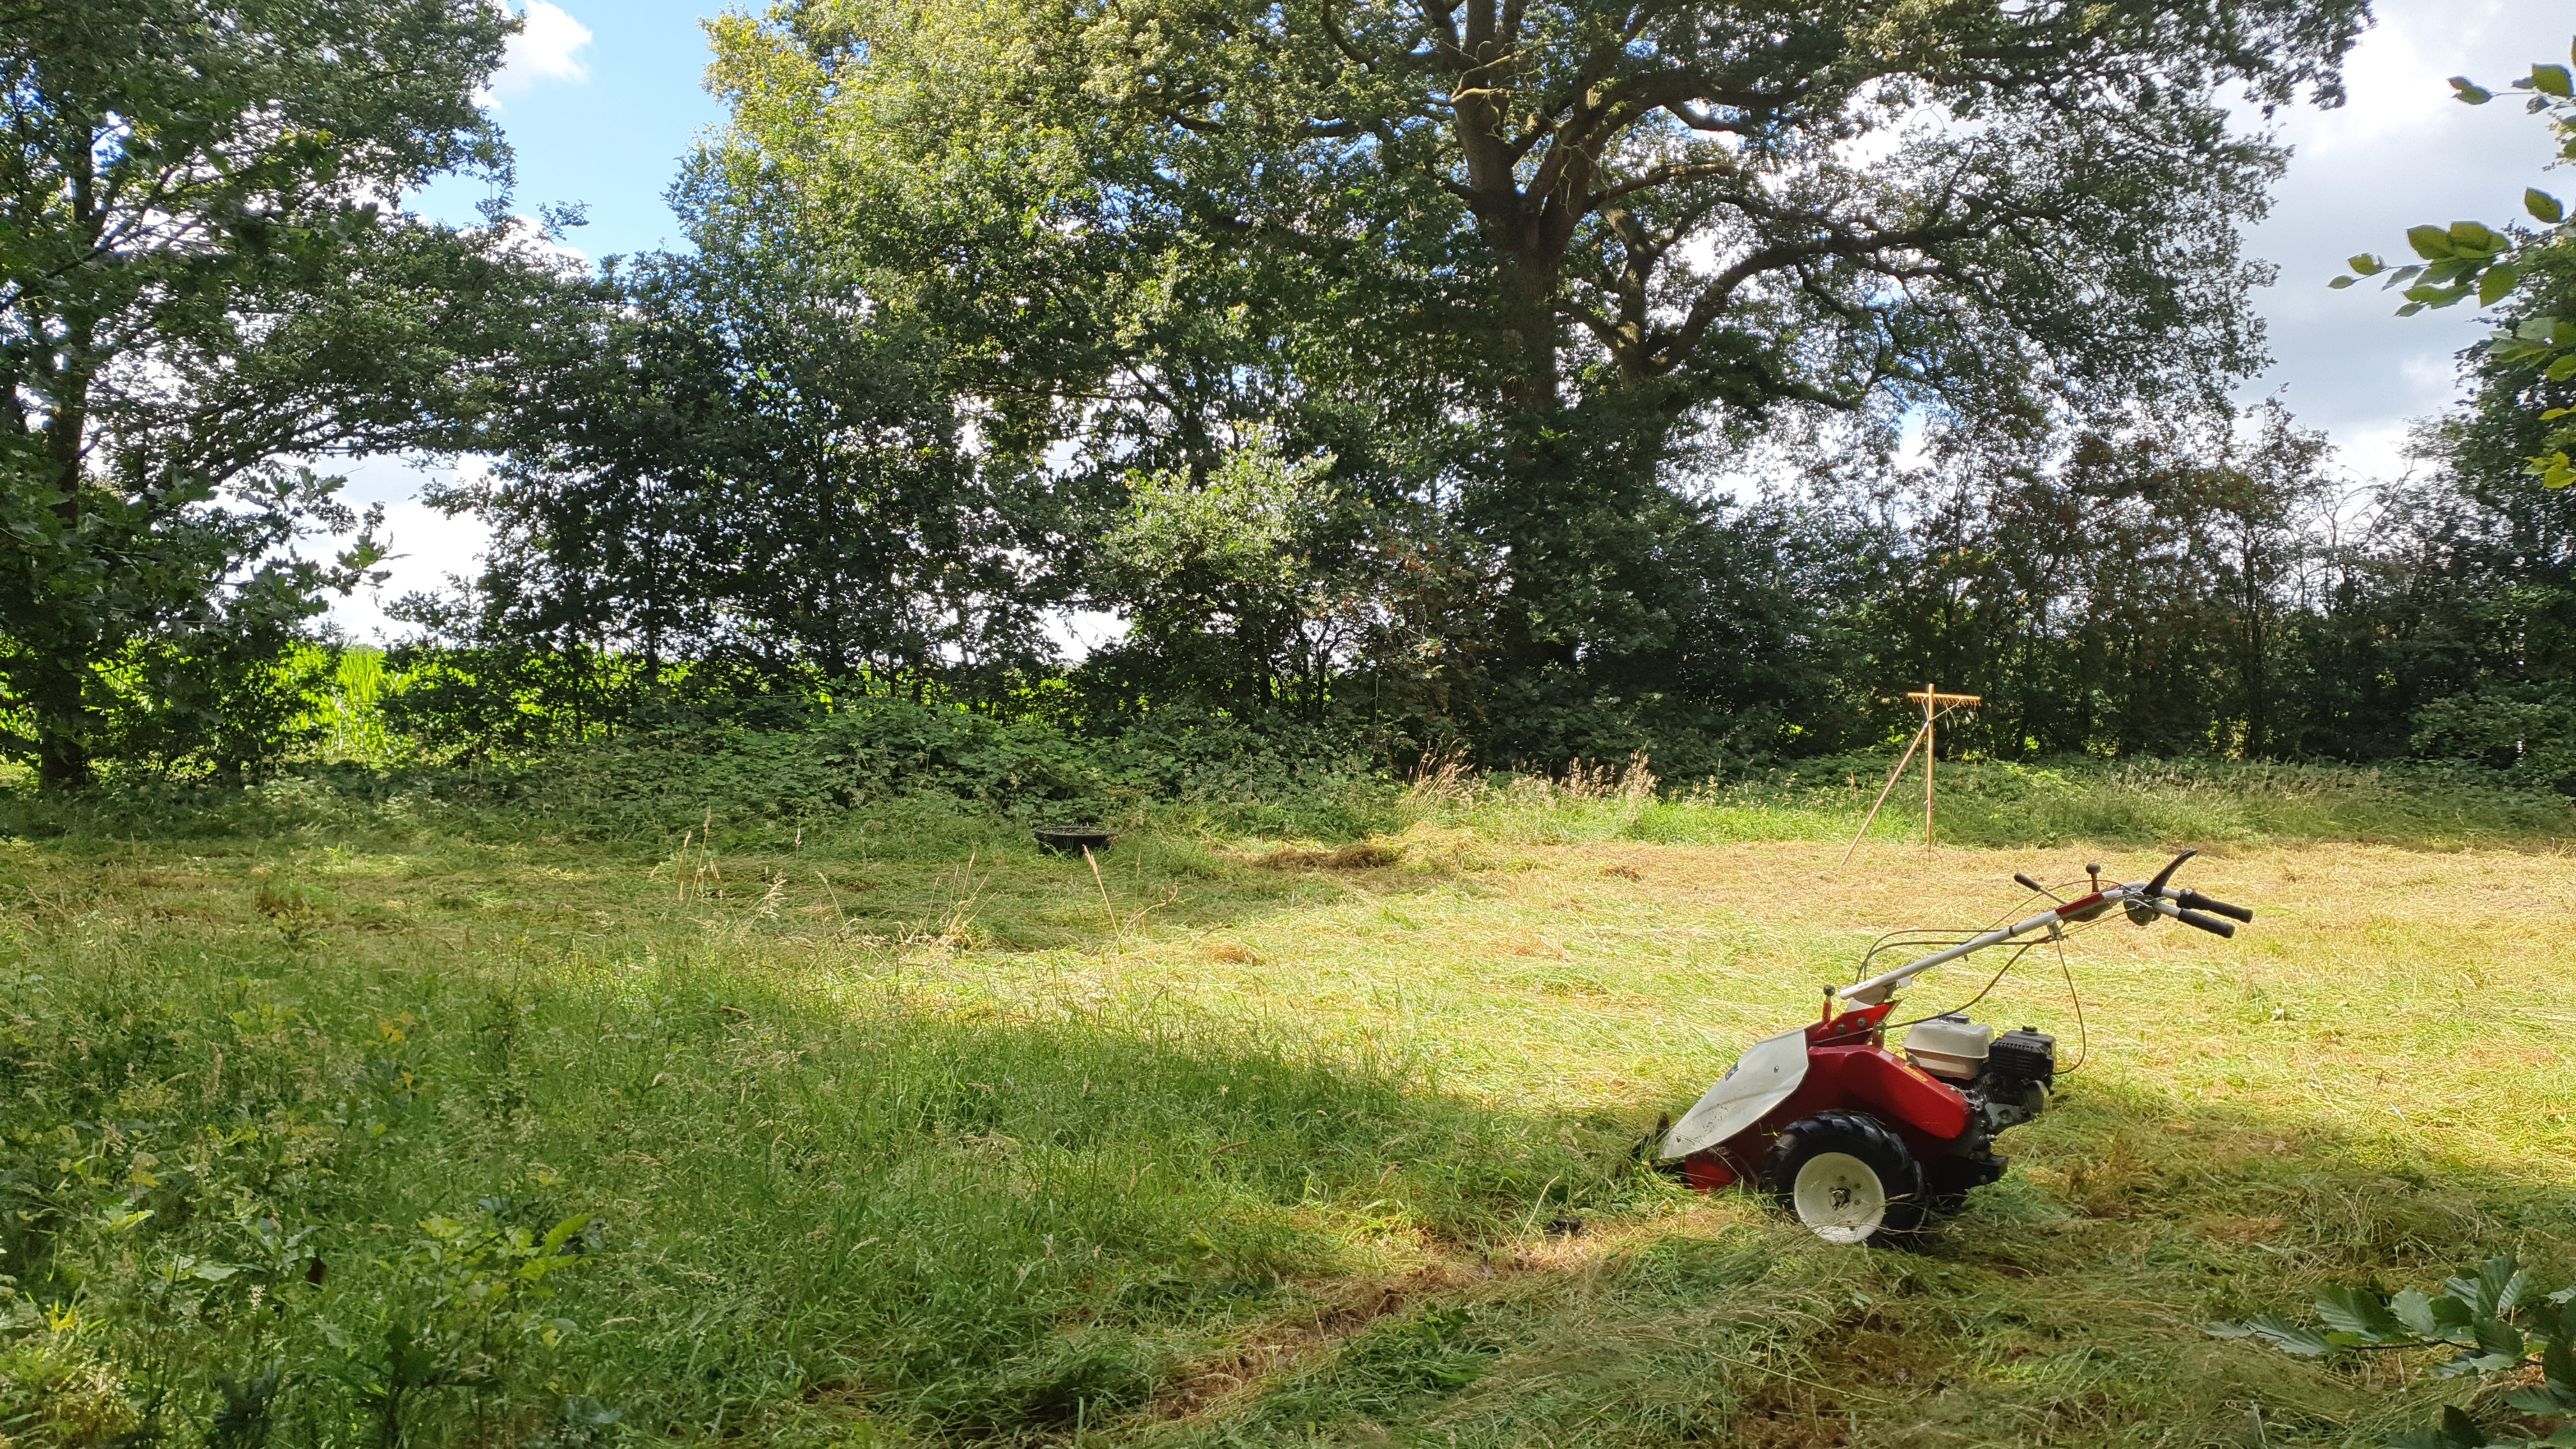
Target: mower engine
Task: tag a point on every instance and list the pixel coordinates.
(1860, 1142)
(2005, 1080)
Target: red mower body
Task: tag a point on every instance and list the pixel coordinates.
(1848, 1066)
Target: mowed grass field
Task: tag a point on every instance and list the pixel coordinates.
(888, 1128)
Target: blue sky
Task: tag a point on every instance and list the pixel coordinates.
(601, 99)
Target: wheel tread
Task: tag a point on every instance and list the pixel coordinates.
(1909, 1197)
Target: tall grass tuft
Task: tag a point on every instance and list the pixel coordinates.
(352, 714)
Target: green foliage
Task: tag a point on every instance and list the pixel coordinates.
(454, 701)
(2149, 592)
(2526, 272)
(2156, 591)
(1566, 187)
(197, 283)
(349, 721)
(1525, 289)
(2494, 1323)
(1220, 577)
(989, 313)
(874, 750)
(235, 703)
(2528, 729)
(458, 1309)
(992, 312)
(741, 459)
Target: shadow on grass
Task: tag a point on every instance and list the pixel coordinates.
(805, 1196)
(2066, 1306)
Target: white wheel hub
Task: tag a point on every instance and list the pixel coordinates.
(1839, 1196)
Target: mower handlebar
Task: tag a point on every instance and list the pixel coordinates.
(2211, 924)
(2156, 888)
(2195, 901)
(2144, 901)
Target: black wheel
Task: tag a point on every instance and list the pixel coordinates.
(1849, 1178)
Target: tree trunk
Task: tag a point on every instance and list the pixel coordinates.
(1528, 345)
(1538, 476)
(56, 694)
(2258, 712)
(62, 717)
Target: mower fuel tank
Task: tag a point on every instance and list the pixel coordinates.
(1949, 1046)
(1766, 1076)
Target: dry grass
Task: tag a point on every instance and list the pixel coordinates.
(1358, 855)
(1603, 977)
(2373, 1081)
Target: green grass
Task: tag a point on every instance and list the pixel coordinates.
(890, 1129)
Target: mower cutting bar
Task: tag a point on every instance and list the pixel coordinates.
(1878, 988)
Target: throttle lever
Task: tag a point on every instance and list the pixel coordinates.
(2156, 887)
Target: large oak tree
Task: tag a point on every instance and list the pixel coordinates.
(1594, 232)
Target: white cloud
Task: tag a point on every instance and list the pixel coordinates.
(548, 48)
(527, 237)
(2402, 152)
(428, 546)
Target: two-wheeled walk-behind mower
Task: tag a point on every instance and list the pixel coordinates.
(1860, 1142)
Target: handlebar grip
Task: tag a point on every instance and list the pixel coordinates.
(2194, 900)
(2211, 924)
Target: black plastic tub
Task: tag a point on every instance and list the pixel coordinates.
(1074, 839)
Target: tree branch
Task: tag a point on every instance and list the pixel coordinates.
(1658, 176)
